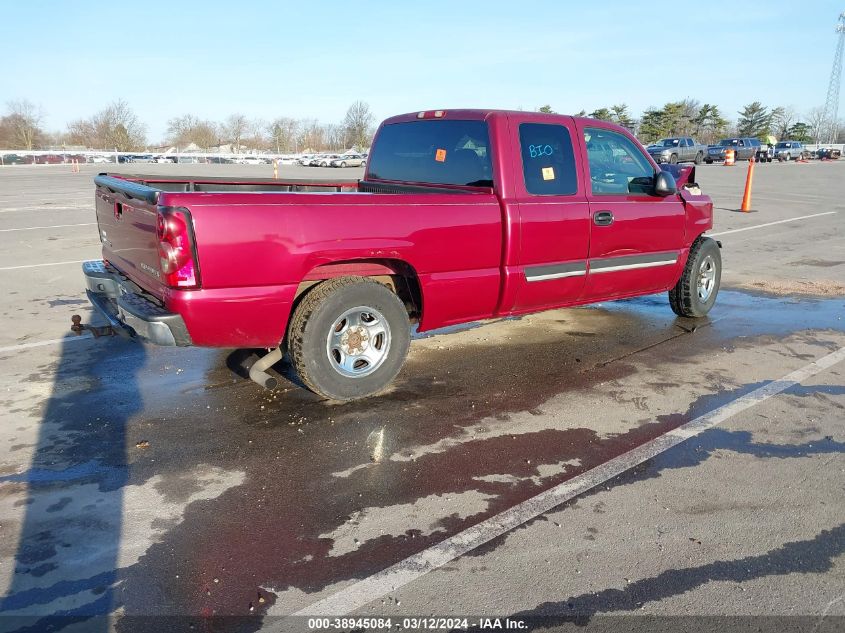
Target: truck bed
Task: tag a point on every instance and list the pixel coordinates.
(257, 241)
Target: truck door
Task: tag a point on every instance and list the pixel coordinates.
(553, 214)
(636, 237)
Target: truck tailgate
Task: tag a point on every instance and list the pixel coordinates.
(126, 217)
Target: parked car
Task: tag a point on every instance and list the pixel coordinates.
(323, 160)
(99, 159)
(677, 150)
(348, 160)
(790, 150)
(187, 160)
(13, 159)
(744, 149)
(305, 159)
(219, 160)
(451, 236)
(250, 160)
(164, 158)
(828, 153)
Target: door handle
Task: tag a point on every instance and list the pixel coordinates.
(603, 218)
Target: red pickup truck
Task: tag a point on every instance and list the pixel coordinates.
(461, 215)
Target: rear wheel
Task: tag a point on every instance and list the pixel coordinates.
(673, 159)
(348, 338)
(696, 290)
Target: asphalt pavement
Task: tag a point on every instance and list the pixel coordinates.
(608, 461)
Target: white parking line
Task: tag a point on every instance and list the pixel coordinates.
(359, 594)
(52, 341)
(760, 226)
(79, 261)
(55, 226)
(63, 207)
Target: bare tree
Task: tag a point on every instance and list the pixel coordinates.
(283, 134)
(236, 127)
(358, 125)
(257, 139)
(115, 127)
(312, 136)
(782, 119)
(187, 129)
(816, 120)
(23, 122)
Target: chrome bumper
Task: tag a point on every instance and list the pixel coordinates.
(128, 311)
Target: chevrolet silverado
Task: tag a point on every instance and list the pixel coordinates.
(461, 215)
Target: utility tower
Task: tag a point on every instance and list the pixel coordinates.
(830, 117)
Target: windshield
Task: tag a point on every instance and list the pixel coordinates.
(667, 142)
(781, 145)
(729, 142)
(448, 152)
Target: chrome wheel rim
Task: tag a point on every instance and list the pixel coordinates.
(706, 278)
(358, 342)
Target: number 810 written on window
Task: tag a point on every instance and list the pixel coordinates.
(537, 151)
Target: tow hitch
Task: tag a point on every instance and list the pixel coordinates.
(78, 328)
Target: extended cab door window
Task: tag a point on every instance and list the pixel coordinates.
(553, 216)
(548, 162)
(617, 166)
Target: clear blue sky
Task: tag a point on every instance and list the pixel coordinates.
(312, 59)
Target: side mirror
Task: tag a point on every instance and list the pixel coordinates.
(664, 184)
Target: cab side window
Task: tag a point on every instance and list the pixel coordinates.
(548, 162)
(617, 165)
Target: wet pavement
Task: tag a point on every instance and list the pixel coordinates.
(149, 481)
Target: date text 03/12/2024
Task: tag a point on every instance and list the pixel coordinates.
(417, 624)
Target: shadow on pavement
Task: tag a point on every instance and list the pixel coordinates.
(67, 557)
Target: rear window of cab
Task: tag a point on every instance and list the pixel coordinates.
(442, 151)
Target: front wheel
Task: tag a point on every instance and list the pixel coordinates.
(696, 290)
(698, 158)
(673, 159)
(343, 164)
(348, 338)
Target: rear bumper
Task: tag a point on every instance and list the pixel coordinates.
(129, 311)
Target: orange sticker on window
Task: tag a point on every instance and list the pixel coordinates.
(440, 156)
(548, 173)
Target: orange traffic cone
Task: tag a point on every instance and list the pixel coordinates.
(730, 158)
(749, 179)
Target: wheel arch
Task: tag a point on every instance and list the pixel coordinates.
(397, 274)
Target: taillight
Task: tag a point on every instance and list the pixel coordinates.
(176, 249)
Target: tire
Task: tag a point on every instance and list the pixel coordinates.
(688, 297)
(698, 158)
(673, 159)
(788, 157)
(709, 161)
(363, 163)
(320, 355)
(343, 164)
(324, 164)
